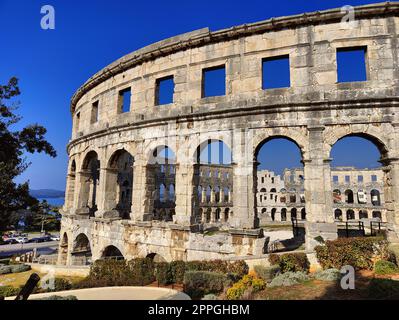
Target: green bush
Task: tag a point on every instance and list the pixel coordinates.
(199, 283)
(328, 275)
(356, 252)
(267, 273)
(178, 269)
(288, 279)
(143, 271)
(8, 291)
(5, 269)
(60, 284)
(163, 273)
(137, 272)
(385, 267)
(16, 268)
(239, 267)
(293, 262)
(55, 297)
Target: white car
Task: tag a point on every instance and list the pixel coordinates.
(22, 239)
(55, 238)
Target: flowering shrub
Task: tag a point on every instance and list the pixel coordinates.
(247, 283)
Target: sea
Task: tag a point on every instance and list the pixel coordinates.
(57, 202)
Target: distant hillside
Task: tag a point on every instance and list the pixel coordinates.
(47, 193)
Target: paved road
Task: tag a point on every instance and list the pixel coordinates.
(43, 248)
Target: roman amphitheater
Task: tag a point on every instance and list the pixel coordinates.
(137, 182)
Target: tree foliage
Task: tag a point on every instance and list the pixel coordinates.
(13, 144)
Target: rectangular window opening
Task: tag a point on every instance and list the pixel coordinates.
(164, 91)
(359, 178)
(352, 64)
(214, 82)
(94, 112)
(276, 72)
(124, 100)
(374, 178)
(77, 122)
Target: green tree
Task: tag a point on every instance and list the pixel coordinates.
(13, 145)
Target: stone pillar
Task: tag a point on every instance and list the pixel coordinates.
(318, 191)
(83, 192)
(244, 172)
(107, 197)
(185, 193)
(142, 195)
(391, 193)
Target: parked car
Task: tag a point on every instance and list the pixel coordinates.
(37, 240)
(10, 241)
(54, 238)
(22, 239)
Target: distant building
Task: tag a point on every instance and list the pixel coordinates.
(357, 194)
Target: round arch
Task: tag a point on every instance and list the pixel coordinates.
(112, 252)
(81, 254)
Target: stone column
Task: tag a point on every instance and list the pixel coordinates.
(142, 195)
(318, 191)
(391, 193)
(244, 172)
(107, 197)
(185, 193)
(83, 192)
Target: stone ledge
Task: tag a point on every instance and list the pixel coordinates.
(256, 233)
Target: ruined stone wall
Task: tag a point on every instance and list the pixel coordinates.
(314, 112)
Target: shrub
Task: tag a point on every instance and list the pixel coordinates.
(177, 269)
(199, 283)
(288, 279)
(356, 252)
(385, 267)
(274, 259)
(328, 275)
(267, 273)
(238, 268)
(142, 271)
(55, 297)
(248, 284)
(16, 268)
(60, 284)
(163, 273)
(8, 291)
(290, 262)
(5, 269)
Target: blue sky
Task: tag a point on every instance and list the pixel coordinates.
(52, 64)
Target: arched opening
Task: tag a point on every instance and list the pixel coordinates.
(377, 215)
(157, 258)
(112, 252)
(363, 214)
(303, 214)
(81, 254)
(64, 249)
(375, 197)
(273, 214)
(213, 169)
(350, 215)
(338, 215)
(355, 167)
(284, 214)
(161, 182)
(279, 168)
(337, 198)
(226, 214)
(119, 182)
(293, 213)
(90, 177)
(349, 196)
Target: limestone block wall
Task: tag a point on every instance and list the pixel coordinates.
(314, 112)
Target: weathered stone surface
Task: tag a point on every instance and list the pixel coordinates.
(314, 112)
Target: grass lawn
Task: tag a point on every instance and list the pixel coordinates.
(19, 279)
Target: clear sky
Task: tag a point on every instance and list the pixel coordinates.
(52, 64)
